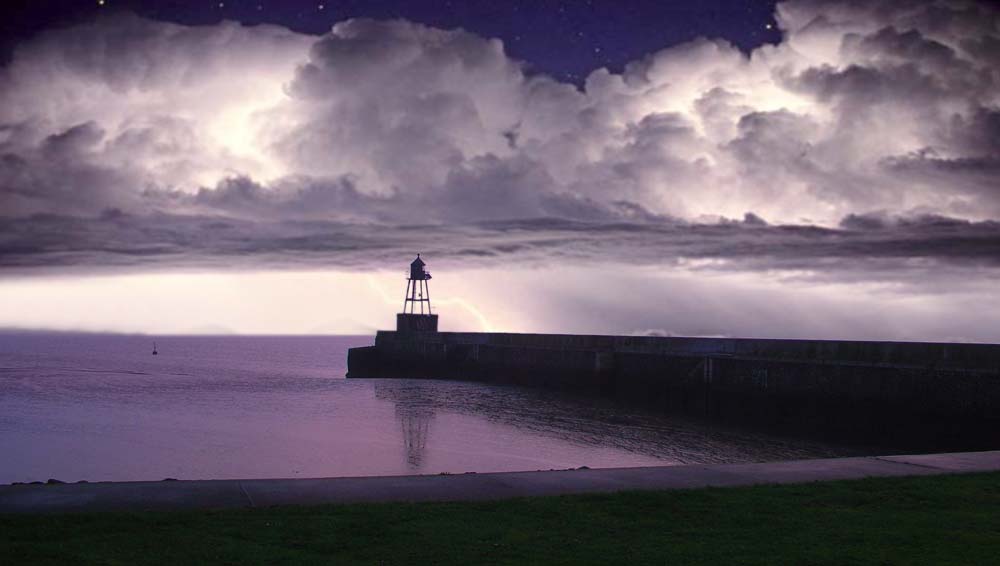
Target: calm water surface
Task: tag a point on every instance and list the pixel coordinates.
(101, 407)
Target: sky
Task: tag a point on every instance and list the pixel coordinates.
(805, 169)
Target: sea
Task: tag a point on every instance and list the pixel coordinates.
(101, 407)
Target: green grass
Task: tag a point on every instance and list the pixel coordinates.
(928, 520)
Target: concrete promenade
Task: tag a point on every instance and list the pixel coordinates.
(208, 494)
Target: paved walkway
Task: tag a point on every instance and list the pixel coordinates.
(164, 495)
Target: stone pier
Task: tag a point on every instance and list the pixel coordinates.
(929, 396)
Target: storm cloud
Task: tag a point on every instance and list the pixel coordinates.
(866, 141)
(925, 251)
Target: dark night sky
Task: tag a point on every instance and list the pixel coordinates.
(565, 39)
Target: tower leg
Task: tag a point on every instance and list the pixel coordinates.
(427, 295)
(406, 297)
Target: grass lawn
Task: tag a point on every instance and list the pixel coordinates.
(927, 520)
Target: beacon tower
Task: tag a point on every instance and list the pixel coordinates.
(418, 297)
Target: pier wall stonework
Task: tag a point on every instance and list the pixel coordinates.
(928, 395)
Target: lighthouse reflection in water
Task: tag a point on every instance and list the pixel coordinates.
(415, 412)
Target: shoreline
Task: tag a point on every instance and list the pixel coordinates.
(218, 494)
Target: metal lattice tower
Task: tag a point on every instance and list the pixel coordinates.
(417, 291)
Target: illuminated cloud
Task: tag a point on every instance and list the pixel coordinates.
(870, 131)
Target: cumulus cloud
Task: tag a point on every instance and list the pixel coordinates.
(870, 131)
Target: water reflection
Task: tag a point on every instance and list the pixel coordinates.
(414, 411)
(585, 421)
(101, 408)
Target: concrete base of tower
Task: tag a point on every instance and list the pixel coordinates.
(406, 322)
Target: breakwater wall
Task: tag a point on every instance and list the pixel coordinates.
(935, 396)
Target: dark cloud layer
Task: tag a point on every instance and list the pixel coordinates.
(864, 247)
(868, 138)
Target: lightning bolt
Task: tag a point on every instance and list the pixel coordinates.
(484, 323)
